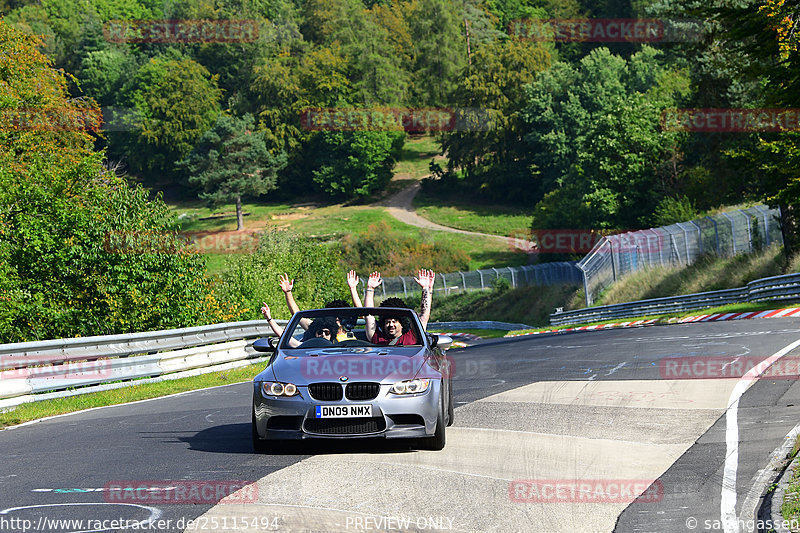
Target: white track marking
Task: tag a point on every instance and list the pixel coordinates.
(728, 496)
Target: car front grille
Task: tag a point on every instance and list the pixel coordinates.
(325, 392)
(362, 391)
(345, 426)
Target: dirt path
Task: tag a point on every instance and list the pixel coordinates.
(400, 206)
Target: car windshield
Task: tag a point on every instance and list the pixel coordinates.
(346, 327)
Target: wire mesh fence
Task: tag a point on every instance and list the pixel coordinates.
(679, 244)
(543, 274)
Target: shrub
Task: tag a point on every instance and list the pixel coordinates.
(394, 253)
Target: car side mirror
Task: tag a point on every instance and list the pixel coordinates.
(443, 342)
(266, 344)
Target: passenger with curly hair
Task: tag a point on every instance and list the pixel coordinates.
(394, 330)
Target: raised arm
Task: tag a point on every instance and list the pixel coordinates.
(352, 282)
(425, 279)
(369, 301)
(276, 328)
(286, 286)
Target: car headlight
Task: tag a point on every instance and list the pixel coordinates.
(410, 386)
(274, 388)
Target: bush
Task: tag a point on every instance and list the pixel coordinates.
(671, 210)
(248, 280)
(393, 253)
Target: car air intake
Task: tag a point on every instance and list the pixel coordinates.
(345, 426)
(326, 392)
(362, 391)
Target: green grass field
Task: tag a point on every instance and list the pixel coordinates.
(493, 219)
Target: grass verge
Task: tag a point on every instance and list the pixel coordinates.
(35, 410)
(790, 508)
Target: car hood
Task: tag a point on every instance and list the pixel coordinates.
(374, 363)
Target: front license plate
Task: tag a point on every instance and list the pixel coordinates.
(343, 411)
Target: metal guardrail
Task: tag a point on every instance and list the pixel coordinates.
(773, 288)
(28, 369)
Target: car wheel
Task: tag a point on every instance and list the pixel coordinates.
(450, 409)
(259, 445)
(437, 441)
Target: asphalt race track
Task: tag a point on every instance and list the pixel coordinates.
(552, 433)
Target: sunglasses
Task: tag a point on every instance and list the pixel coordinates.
(323, 333)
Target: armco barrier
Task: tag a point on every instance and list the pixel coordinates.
(31, 368)
(774, 288)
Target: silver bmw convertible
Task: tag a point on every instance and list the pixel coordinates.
(325, 380)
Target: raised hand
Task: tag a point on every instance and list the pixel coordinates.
(352, 279)
(284, 282)
(425, 279)
(374, 280)
(265, 311)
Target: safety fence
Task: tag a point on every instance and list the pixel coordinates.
(773, 288)
(679, 244)
(543, 274)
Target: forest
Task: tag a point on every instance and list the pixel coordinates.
(585, 112)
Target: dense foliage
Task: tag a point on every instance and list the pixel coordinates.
(253, 278)
(81, 252)
(574, 131)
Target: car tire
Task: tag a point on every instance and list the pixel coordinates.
(259, 445)
(437, 441)
(450, 408)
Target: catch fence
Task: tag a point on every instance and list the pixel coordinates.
(556, 273)
(679, 244)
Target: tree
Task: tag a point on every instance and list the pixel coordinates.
(177, 101)
(439, 49)
(595, 133)
(765, 32)
(494, 157)
(352, 165)
(81, 252)
(230, 161)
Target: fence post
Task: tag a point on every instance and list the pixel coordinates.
(586, 293)
(463, 280)
(685, 240)
(716, 234)
(513, 281)
(482, 284)
(766, 224)
(733, 231)
(405, 292)
(699, 235)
